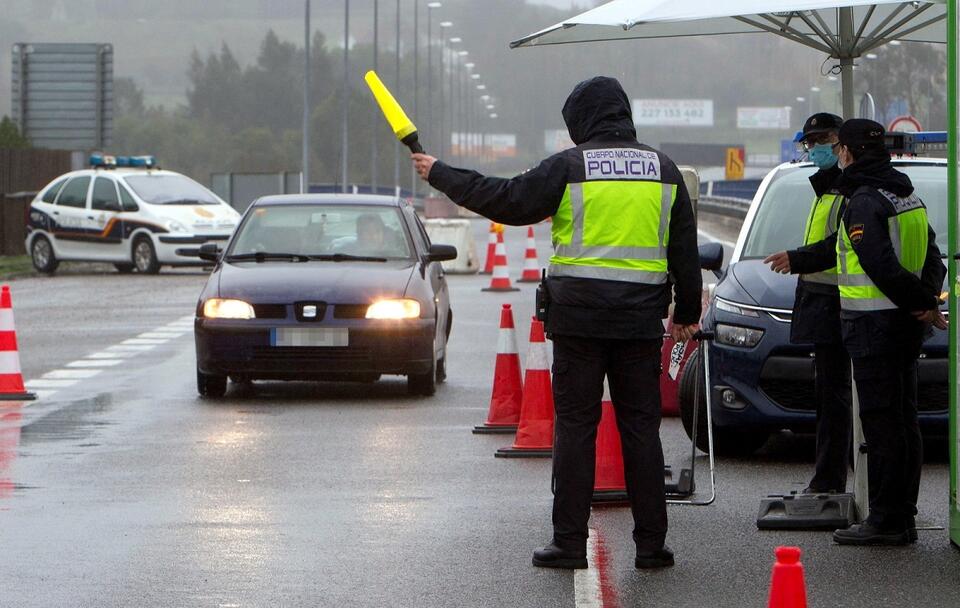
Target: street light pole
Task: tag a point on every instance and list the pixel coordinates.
(416, 85)
(396, 85)
(345, 105)
(305, 160)
(373, 138)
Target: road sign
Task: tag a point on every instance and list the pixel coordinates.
(905, 124)
(735, 163)
(788, 150)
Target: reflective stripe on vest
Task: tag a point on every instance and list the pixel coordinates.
(613, 230)
(821, 223)
(908, 234)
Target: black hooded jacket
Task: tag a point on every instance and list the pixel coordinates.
(597, 114)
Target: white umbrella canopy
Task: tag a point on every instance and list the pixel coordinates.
(843, 29)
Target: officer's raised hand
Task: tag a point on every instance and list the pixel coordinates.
(423, 163)
(779, 262)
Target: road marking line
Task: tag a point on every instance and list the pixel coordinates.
(715, 239)
(141, 342)
(586, 582)
(156, 335)
(44, 394)
(42, 383)
(94, 363)
(109, 355)
(187, 318)
(131, 348)
(71, 374)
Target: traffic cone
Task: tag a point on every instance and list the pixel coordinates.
(609, 483)
(787, 589)
(11, 380)
(507, 394)
(535, 430)
(531, 267)
(491, 249)
(500, 281)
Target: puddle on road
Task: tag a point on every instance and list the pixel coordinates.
(74, 422)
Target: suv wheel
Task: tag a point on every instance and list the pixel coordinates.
(41, 253)
(145, 256)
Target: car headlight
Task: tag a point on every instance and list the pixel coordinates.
(732, 335)
(219, 308)
(394, 309)
(175, 226)
(730, 307)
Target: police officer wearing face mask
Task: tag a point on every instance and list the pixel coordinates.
(624, 238)
(816, 308)
(890, 277)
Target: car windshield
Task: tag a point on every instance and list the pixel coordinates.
(786, 205)
(169, 189)
(328, 232)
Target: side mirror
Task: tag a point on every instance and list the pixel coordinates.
(441, 253)
(211, 252)
(711, 257)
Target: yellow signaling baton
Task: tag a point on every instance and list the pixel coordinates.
(402, 126)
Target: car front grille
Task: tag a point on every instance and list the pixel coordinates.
(270, 311)
(350, 311)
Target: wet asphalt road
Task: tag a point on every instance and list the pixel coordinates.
(125, 489)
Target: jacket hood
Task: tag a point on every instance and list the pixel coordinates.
(875, 170)
(598, 107)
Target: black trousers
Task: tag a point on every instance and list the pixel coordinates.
(887, 390)
(632, 368)
(834, 427)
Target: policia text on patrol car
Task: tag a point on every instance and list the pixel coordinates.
(623, 233)
(889, 276)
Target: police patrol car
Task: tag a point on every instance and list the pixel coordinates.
(127, 211)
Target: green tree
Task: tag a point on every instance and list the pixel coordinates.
(10, 136)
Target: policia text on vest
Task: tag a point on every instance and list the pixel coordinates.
(625, 240)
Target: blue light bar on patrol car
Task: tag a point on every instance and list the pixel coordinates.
(107, 161)
(916, 144)
(102, 160)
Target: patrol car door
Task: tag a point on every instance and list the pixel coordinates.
(103, 223)
(69, 214)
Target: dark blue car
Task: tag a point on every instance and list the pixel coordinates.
(324, 287)
(761, 383)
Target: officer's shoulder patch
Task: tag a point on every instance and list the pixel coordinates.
(856, 233)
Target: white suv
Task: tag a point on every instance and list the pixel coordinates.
(127, 212)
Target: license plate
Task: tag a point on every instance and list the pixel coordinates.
(312, 336)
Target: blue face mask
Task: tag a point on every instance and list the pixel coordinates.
(822, 156)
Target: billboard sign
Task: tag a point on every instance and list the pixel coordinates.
(763, 117)
(673, 112)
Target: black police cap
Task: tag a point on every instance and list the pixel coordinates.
(862, 133)
(821, 122)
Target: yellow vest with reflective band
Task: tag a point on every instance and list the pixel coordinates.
(908, 234)
(615, 225)
(822, 223)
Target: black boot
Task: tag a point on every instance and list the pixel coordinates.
(658, 558)
(553, 556)
(868, 534)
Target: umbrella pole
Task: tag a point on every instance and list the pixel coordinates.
(847, 50)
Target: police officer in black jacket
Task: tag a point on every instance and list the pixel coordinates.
(624, 232)
(890, 277)
(816, 308)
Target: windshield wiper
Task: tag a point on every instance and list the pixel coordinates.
(261, 256)
(346, 257)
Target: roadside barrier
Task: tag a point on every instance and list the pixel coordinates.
(787, 588)
(609, 483)
(491, 248)
(507, 396)
(458, 234)
(11, 378)
(500, 280)
(531, 267)
(535, 430)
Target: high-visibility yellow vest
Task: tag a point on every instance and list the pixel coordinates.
(822, 223)
(908, 233)
(615, 225)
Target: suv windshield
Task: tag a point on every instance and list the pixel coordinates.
(782, 214)
(328, 232)
(169, 189)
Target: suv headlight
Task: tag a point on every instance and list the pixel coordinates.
(394, 309)
(730, 307)
(219, 308)
(733, 335)
(175, 226)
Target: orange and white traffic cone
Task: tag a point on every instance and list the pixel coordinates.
(11, 379)
(787, 588)
(609, 482)
(500, 281)
(535, 430)
(507, 394)
(531, 267)
(491, 249)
